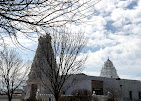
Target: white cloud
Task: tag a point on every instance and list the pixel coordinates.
(24, 40)
(121, 42)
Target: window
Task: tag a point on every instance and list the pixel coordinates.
(140, 95)
(97, 86)
(130, 94)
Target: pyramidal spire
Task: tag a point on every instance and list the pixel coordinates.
(109, 70)
(43, 53)
(43, 58)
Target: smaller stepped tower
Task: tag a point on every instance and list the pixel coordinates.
(108, 70)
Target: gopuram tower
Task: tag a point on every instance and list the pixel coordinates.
(108, 70)
(43, 53)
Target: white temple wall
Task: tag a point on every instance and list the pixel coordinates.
(124, 85)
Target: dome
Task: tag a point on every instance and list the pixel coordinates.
(108, 70)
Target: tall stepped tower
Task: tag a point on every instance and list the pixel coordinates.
(108, 70)
(43, 57)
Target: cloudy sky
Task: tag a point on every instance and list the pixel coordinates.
(114, 31)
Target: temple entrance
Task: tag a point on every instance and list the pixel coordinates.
(33, 92)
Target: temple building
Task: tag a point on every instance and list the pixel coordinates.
(106, 86)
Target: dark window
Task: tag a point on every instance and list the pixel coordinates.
(139, 95)
(130, 94)
(97, 86)
(33, 91)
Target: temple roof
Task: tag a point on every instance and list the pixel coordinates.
(108, 70)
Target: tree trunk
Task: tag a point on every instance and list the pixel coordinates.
(56, 97)
(9, 98)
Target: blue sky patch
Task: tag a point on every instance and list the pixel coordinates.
(110, 27)
(132, 5)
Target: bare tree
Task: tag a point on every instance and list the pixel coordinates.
(62, 61)
(12, 72)
(115, 92)
(28, 16)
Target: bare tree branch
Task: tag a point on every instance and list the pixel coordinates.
(61, 60)
(115, 92)
(28, 16)
(13, 72)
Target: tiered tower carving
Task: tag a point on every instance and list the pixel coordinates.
(44, 57)
(108, 70)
